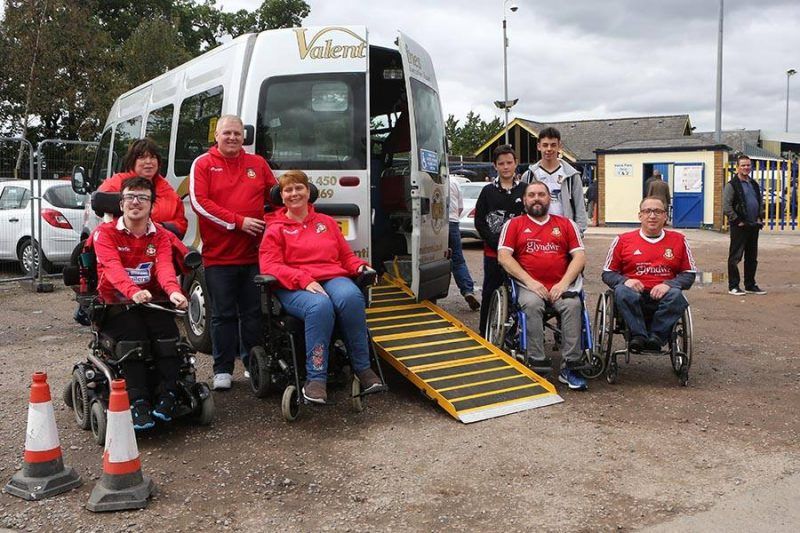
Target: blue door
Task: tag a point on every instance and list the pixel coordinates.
(687, 195)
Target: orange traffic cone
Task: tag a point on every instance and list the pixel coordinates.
(122, 485)
(44, 473)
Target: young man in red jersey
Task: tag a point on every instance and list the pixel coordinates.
(134, 262)
(229, 189)
(648, 269)
(544, 253)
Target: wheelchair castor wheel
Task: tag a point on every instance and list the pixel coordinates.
(206, 410)
(594, 365)
(290, 403)
(80, 398)
(611, 372)
(355, 391)
(98, 422)
(683, 376)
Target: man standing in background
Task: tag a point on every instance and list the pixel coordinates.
(460, 270)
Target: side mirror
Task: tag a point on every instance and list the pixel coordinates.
(79, 183)
(249, 135)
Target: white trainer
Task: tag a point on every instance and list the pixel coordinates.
(222, 381)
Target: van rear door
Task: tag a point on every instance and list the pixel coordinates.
(430, 264)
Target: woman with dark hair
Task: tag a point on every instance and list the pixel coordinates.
(313, 264)
(143, 160)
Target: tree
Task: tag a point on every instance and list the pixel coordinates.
(475, 132)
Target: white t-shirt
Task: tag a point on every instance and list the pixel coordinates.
(456, 204)
(553, 181)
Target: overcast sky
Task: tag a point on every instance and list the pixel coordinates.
(585, 59)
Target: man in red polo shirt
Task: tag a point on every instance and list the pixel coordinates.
(544, 253)
(229, 189)
(648, 269)
(134, 262)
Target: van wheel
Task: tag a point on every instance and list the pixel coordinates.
(198, 319)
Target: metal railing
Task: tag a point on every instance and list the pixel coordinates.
(779, 190)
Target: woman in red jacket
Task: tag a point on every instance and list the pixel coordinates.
(144, 160)
(312, 262)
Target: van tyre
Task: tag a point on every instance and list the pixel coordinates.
(198, 320)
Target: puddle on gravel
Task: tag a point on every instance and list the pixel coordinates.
(707, 278)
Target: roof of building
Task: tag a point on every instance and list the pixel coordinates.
(677, 144)
(744, 141)
(583, 137)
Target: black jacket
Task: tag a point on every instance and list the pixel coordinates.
(495, 206)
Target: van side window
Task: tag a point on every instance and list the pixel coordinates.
(196, 124)
(313, 122)
(158, 128)
(100, 168)
(125, 132)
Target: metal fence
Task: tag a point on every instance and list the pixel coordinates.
(40, 216)
(781, 195)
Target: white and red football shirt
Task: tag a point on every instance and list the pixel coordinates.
(542, 248)
(651, 260)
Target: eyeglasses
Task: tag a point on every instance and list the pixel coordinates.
(130, 197)
(651, 212)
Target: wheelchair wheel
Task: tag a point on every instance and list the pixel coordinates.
(355, 392)
(604, 327)
(260, 376)
(80, 398)
(498, 313)
(681, 348)
(290, 403)
(206, 411)
(97, 421)
(612, 371)
(67, 395)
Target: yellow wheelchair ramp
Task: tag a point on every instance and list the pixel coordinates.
(468, 377)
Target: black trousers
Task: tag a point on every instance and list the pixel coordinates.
(493, 276)
(744, 242)
(143, 324)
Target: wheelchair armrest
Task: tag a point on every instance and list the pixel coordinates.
(192, 260)
(264, 279)
(366, 278)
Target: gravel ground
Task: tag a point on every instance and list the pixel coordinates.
(641, 453)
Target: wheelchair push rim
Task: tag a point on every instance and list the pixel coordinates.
(496, 320)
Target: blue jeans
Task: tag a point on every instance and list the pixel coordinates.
(344, 305)
(666, 311)
(460, 270)
(235, 313)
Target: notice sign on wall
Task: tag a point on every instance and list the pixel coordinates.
(623, 169)
(689, 178)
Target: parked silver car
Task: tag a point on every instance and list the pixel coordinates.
(62, 218)
(469, 195)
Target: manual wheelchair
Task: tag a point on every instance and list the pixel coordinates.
(88, 391)
(609, 322)
(280, 362)
(506, 329)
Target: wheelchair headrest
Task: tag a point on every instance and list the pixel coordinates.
(275, 194)
(106, 202)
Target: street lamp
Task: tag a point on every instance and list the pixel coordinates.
(506, 104)
(789, 73)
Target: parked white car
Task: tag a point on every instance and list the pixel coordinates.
(62, 219)
(469, 195)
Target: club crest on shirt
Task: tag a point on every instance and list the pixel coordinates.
(150, 251)
(557, 231)
(559, 179)
(668, 253)
(321, 228)
(251, 173)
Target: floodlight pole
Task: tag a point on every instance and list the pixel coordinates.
(505, 70)
(718, 118)
(789, 73)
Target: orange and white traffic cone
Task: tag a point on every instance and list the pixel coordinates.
(122, 485)
(44, 473)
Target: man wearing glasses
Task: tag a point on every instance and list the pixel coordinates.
(648, 269)
(134, 262)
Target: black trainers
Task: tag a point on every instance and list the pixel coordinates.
(637, 343)
(736, 291)
(165, 410)
(653, 343)
(315, 392)
(755, 289)
(473, 302)
(140, 412)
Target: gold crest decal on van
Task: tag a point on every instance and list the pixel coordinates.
(437, 210)
(325, 49)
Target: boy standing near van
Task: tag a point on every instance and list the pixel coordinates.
(229, 189)
(564, 182)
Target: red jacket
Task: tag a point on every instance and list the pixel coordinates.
(225, 190)
(297, 253)
(168, 209)
(127, 264)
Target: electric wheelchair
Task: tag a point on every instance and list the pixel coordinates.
(506, 329)
(609, 322)
(88, 392)
(280, 362)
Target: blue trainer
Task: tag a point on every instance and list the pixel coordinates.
(140, 413)
(572, 379)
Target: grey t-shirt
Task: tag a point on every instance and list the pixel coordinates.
(750, 201)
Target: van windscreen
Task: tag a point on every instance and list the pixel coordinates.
(313, 122)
